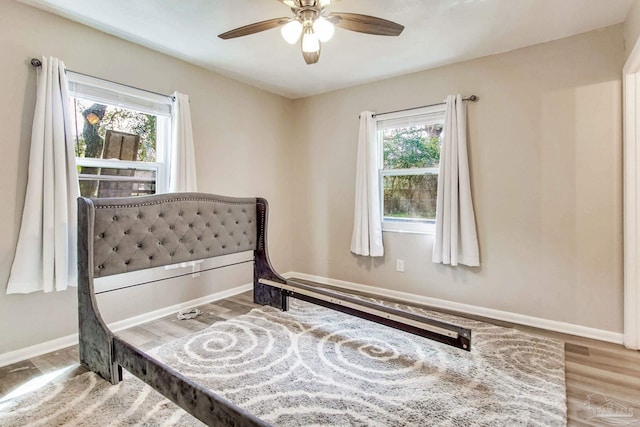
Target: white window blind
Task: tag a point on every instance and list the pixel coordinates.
(118, 95)
(418, 117)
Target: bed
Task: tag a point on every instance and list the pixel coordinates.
(121, 235)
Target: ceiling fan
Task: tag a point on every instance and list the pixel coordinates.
(316, 25)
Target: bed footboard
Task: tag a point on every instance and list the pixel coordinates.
(202, 403)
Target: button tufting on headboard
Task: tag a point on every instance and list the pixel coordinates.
(137, 233)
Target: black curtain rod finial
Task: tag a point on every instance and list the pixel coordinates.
(36, 62)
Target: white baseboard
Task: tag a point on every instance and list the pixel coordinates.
(156, 314)
(25, 353)
(550, 325)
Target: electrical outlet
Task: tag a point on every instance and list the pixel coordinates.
(400, 265)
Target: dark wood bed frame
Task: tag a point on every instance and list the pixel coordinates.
(120, 235)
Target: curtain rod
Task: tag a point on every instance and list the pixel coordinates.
(472, 98)
(37, 64)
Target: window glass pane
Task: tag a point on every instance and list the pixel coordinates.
(116, 182)
(412, 147)
(104, 131)
(410, 196)
(108, 132)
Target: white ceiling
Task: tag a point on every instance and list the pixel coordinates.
(437, 32)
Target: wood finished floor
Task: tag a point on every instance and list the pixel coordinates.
(596, 372)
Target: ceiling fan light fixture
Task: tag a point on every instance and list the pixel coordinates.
(323, 29)
(310, 42)
(291, 31)
(311, 57)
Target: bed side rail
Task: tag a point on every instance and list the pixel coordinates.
(443, 332)
(202, 403)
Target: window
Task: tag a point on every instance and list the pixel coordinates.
(409, 147)
(121, 138)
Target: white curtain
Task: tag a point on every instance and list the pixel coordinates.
(456, 239)
(45, 258)
(182, 160)
(367, 222)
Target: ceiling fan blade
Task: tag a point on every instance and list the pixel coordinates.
(365, 24)
(254, 28)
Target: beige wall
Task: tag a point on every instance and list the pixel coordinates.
(545, 157)
(631, 28)
(545, 153)
(242, 144)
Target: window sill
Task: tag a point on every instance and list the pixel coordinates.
(408, 228)
(428, 233)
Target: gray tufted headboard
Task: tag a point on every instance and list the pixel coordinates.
(144, 232)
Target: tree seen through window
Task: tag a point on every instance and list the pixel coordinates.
(138, 134)
(411, 195)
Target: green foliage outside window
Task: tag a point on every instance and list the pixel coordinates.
(412, 147)
(411, 196)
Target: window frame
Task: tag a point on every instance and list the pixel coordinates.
(157, 167)
(434, 114)
(93, 89)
